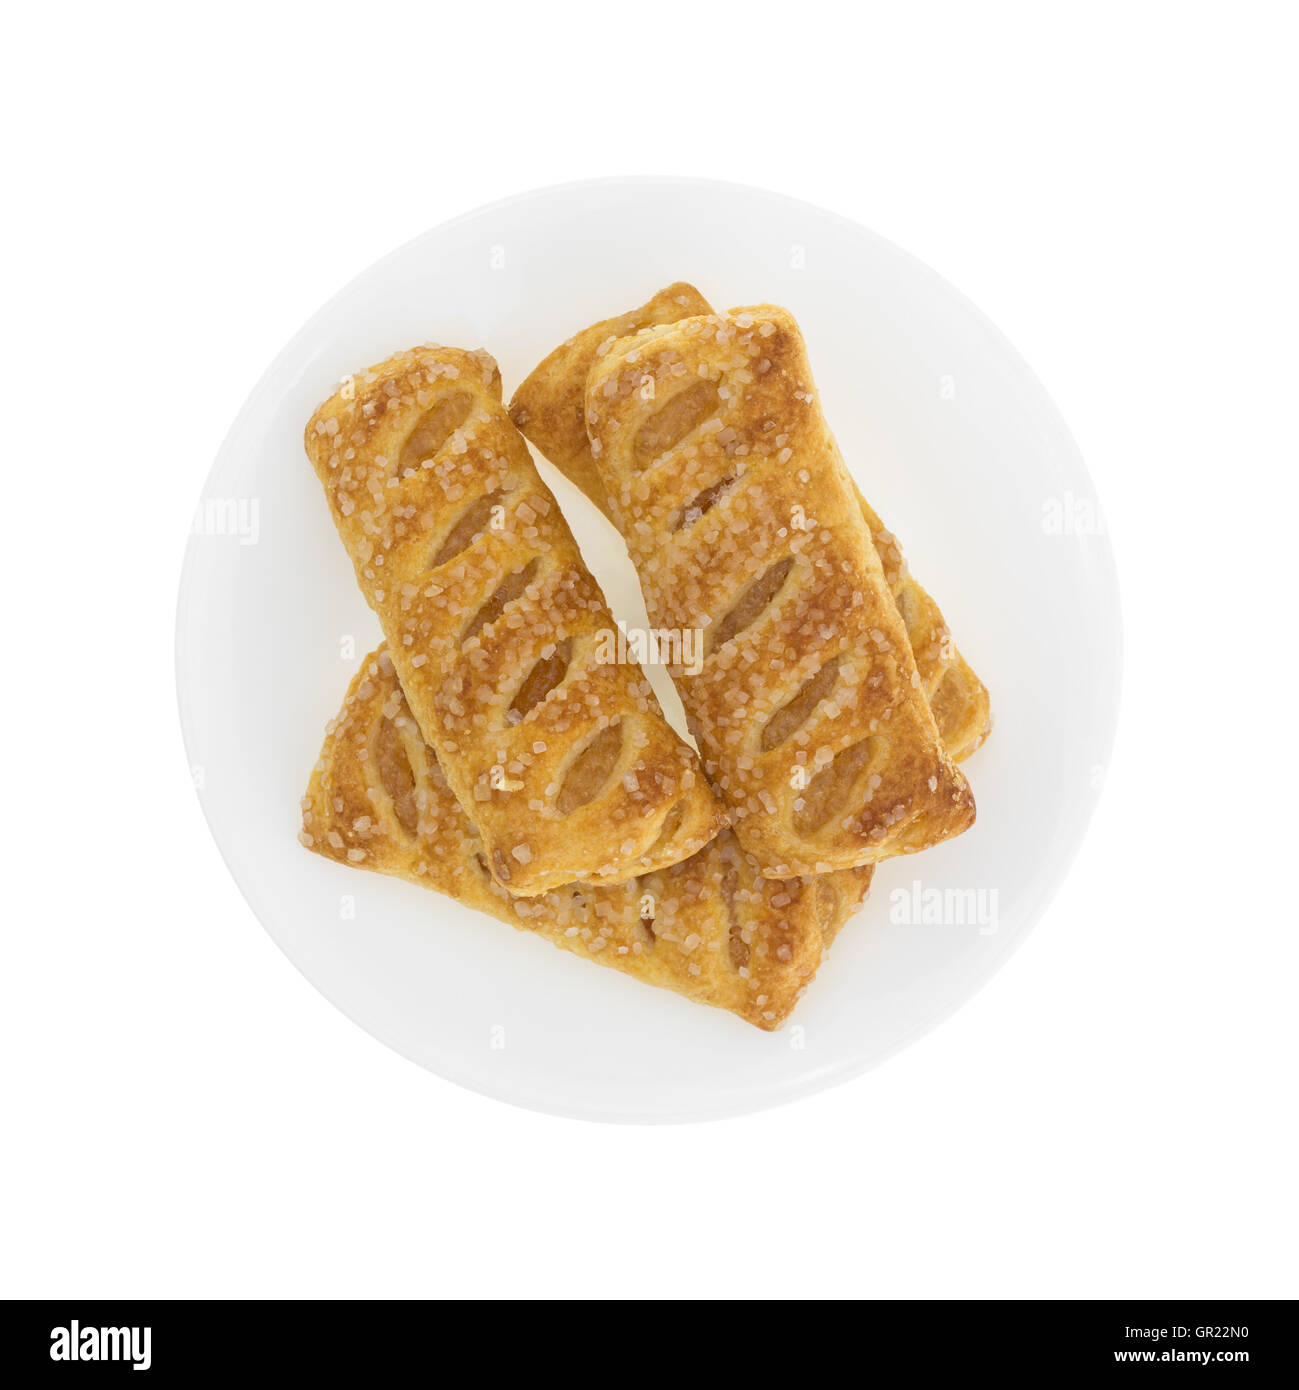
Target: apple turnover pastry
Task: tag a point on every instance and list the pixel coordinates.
(550, 409)
(710, 928)
(564, 761)
(742, 521)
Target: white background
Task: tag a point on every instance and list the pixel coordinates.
(1113, 1116)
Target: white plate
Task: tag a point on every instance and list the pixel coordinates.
(958, 448)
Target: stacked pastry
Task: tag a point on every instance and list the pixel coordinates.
(492, 750)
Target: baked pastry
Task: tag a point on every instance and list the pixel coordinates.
(550, 406)
(550, 409)
(957, 698)
(497, 630)
(710, 928)
(742, 521)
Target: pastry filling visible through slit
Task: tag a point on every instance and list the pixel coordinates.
(702, 503)
(905, 599)
(547, 673)
(751, 603)
(825, 902)
(472, 524)
(435, 427)
(647, 926)
(590, 770)
(501, 865)
(670, 424)
(737, 949)
(668, 830)
(792, 715)
(830, 789)
(506, 592)
(395, 774)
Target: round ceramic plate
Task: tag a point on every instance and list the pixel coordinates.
(957, 447)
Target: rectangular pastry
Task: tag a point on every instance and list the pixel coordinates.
(710, 928)
(742, 521)
(550, 409)
(496, 629)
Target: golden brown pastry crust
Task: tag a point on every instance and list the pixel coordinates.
(741, 519)
(550, 406)
(957, 698)
(550, 409)
(710, 928)
(565, 761)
